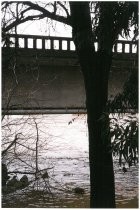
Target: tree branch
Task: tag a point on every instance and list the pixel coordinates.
(10, 145)
(48, 14)
(44, 13)
(65, 9)
(19, 21)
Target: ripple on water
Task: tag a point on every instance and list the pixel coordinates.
(72, 176)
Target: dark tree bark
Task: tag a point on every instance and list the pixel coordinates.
(95, 68)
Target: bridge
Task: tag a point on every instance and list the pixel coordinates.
(41, 74)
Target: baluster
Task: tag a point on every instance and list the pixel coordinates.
(43, 43)
(115, 47)
(25, 42)
(60, 44)
(52, 44)
(123, 47)
(34, 43)
(130, 47)
(68, 45)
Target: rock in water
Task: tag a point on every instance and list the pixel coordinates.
(13, 184)
(24, 181)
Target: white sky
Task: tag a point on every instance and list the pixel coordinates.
(41, 27)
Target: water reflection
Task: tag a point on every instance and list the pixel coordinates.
(63, 148)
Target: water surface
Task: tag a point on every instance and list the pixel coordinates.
(63, 149)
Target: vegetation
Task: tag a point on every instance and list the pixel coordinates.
(103, 21)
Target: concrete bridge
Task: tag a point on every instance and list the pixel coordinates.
(42, 74)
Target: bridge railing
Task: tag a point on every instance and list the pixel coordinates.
(61, 43)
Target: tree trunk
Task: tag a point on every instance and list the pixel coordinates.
(100, 157)
(95, 68)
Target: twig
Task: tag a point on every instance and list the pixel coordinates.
(14, 141)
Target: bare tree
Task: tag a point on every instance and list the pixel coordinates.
(110, 20)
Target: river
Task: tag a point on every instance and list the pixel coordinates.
(62, 142)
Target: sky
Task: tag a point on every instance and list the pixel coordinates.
(40, 27)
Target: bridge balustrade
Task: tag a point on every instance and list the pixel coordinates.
(62, 43)
(47, 77)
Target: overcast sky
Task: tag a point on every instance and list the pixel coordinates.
(41, 27)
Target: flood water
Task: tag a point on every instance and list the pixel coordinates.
(62, 142)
